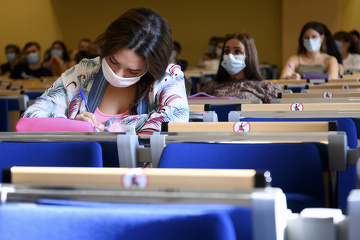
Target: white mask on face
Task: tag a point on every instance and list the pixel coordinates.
(312, 44)
(114, 79)
(233, 64)
(218, 52)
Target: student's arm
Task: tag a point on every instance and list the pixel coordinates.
(332, 67)
(287, 72)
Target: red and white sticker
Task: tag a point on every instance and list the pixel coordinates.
(327, 95)
(242, 127)
(297, 107)
(358, 79)
(135, 178)
(345, 86)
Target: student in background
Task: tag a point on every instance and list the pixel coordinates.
(349, 50)
(58, 60)
(175, 54)
(239, 72)
(311, 56)
(12, 52)
(32, 67)
(356, 36)
(132, 86)
(82, 51)
(213, 63)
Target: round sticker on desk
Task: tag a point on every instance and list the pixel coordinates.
(296, 107)
(242, 127)
(327, 95)
(346, 86)
(135, 178)
(358, 79)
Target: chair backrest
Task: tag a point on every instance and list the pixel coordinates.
(50, 154)
(296, 168)
(118, 221)
(346, 179)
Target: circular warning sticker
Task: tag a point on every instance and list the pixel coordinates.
(297, 107)
(358, 79)
(345, 86)
(135, 178)
(327, 95)
(242, 127)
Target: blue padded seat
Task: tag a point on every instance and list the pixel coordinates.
(240, 216)
(296, 168)
(130, 221)
(50, 154)
(346, 179)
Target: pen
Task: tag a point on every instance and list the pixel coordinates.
(291, 67)
(84, 99)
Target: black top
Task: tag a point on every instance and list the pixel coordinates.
(22, 71)
(5, 68)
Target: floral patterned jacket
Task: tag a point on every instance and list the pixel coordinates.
(166, 100)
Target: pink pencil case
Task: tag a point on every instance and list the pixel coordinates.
(52, 125)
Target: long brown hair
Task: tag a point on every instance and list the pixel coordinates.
(148, 34)
(252, 69)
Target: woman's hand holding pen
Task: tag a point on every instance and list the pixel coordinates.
(294, 75)
(90, 117)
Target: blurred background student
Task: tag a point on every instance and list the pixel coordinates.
(58, 59)
(349, 51)
(32, 67)
(312, 55)
(12, 52)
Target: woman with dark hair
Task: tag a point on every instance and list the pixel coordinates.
(239, 74)
(349, 50)
(58, 59)
(131, 87)
(312, 54)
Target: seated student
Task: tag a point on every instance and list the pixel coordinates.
(213, 62)
(132, 85)
(312, 56)
(13, 56)
(32, 67)
(82, 51)
(58, 60)
(239, 72)
(175, 54)
(356, 36)
(349, 51)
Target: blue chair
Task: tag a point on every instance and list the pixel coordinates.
(346, 179)
(50, 154)
(4, 119)
(116, 221)
(296, 168)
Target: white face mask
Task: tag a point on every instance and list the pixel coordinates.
(312, 44)
(233, 64)
(114, 79)
(218, 51)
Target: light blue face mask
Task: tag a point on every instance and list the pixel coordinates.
(11, 57)
(56, 52)
(211, 49)
(33, 58)
(339, 45)
(312, 44)
(233, 64)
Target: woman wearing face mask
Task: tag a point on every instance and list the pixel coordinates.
(130, 87)
(312, 56)
(239, 73)
(12, 55)
(57, 59)
(32, 67)
(349, 51)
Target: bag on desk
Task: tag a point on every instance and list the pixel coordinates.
(52, 125)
